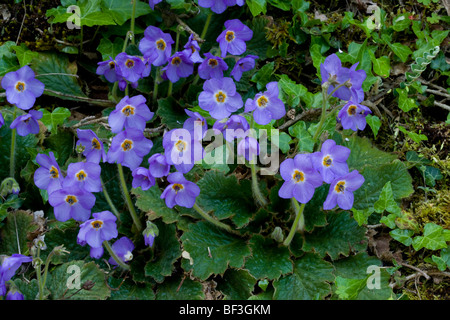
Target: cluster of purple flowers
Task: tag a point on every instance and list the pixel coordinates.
(306, 172)
(22, 89)
(346, 84)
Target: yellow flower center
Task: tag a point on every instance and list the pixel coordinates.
(127, 145)
(81, 175)
(177, 187)
(160, 44)
(229, 36)
(20, 86)
(97, 224)
(327, 161)
(351, 110)
(181, 145)
(212, 63)
(262, 101)
(95, 144)
(220, 97)
(176, 61)
(54, 172)
(340, 186)
(298, 176)
(129, 63)
(71, 200)
(128, 110)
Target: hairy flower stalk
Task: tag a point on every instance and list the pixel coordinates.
(257, 194)
(299, 222)
(212, 220)
(114, 256)
(127, 198)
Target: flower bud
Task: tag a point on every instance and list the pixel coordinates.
(150, 233)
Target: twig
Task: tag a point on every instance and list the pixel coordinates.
(23, 20)
(417, 269)
(100, 102)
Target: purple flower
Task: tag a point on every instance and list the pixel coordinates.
(108, 70)
(192, 50)
(233, 38)
(181, 149)
(248, 147)
(331, 70)
(14, 294)
(242, 65)
(355, 82)
(158, 166)
(179, 66)
(266, 105)
(85, 175)
(129, 67)
(353, 116)
(301, 179)
(219, 6)
(195, 124)
(232, 128)
(73, 203)
(152, 3)
(93, 147)
(8, 269)
(130, 113)
(48, 176)
(22, 88)
(150, 233)
(128, 148)
(142, 178)
(341, 191)
(156, 46)
(212, 67)
(94, 231)
(180, 191)
(2, 120)
(330, 161)
(123, 249)
(27, 123)
(220, 97)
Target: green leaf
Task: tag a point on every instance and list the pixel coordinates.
(150, 202)
(386, 201)
(362, 216)
(177, 288)
(402, 235)
(317, 57)
(213, 250)
(292, 93)
(349, 289)
(309, 281)
(256, 6)
(236, 284)
(110, 49)
(55, 118)
(121, 10)
(374, 123)
(171, 113)
(414, 136)
(15, 231)
(268, 259)
(263, 75)
(381, 66)
(166, 250)
(404, 102)
(434, 238)
(401, 22)
(305, 139)
(91, 14)
(226, 197)
(431, 174)
(24, 55)
(58, 74)
(400, 50)
(443, 261)
(340, 236)
(130, 290)
(62, 285)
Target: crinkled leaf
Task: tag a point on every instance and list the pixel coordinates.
(236, 284)
(178, 288)
(309, 280)
(55, 118)
(130, 290)
(14, 233)
(340, 236)
(268, 260)
(166, 249)
(213, 250)
(62, 281)
(122, 10)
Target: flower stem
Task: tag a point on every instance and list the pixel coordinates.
(299, 222)
(257, 194)
(113, 255)
(212, 220)
(133, 18)
(109, 201)
(156, 84)
(12, 157)
(127, 198)
(205, 28)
